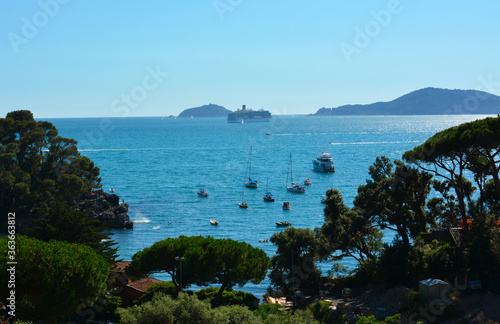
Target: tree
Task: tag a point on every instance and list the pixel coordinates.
(395, 198)
(206, 261)
(347, 231)
(293, 266)
(38, 167)
(52, 279)
(63, 223)
(473, 146)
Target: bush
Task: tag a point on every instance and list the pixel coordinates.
(165, 309)
(264, 310)
(229, 297)
(322, 312)
(238, 314)
(166, 287)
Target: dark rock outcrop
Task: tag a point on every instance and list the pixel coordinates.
(106, 208)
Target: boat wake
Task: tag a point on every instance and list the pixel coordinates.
(372, 143)
(145, 220)
(140, 218)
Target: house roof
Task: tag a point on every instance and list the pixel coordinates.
(144, 283)
(431, 282)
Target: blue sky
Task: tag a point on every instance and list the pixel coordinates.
(70, 58)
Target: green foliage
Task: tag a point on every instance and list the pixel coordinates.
(395, 198)
(38, 167)
(324, 314)
(369, 319)
(108, 305)
(54, 278)
(394, 266)
(347, 232)
(164, 309)
(298, 317)
(63, 223)
(237, 314)
(413, 303)
(484, 249)
(206, 261)
(189, 309)
(294, 262)
(473, 146)
(229, 297)
(264, 310)
(165, 287)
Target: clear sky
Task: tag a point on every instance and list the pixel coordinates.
(71, 58)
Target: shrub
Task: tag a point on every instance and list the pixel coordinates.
(229, 297)
(166, 287)
(322, 312)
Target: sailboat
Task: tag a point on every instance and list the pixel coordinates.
(268, 196)
(243, 203)
(294, 187)
(251, 183)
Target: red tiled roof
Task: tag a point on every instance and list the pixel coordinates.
(144, 283)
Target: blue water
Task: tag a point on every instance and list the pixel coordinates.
(158, 164)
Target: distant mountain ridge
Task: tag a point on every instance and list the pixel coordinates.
(210, 110)
(427, 101)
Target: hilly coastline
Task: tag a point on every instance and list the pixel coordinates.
(210, 110)
(427, 101)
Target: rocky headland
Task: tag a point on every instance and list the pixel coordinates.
(107, 208)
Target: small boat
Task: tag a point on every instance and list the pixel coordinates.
(286, 205)
(203, 193)
(268, 196)
(243, 204)
(214, 222)
(294, 187)
(242, 122)
(308, 182)
(324, 163)
(111, 190)
(283, 224)
(251, 183)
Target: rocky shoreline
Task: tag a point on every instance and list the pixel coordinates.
(107, 208)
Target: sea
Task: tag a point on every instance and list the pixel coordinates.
(157, 165)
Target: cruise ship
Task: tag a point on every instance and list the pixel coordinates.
(245, 115)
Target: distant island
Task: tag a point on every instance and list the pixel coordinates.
(210, 110)
(427, 101)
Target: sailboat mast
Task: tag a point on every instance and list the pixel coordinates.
(250, 164)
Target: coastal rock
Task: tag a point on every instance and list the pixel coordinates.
(106, 208)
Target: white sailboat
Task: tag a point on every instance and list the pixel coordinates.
(268, 196)
(251, 183)
(243, 203)
(294, 187)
